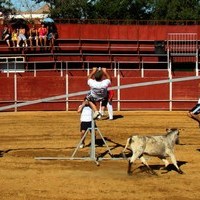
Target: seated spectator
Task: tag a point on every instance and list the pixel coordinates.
(33, 36)
(51, 36)
(6, 35)
(42, 32)
(14, 37)
(22, 37)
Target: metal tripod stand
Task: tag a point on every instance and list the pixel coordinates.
(92, 146)
(92, 156)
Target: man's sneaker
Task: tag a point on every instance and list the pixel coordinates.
(99, 117)
(96, 115)
(102, 113)
(81, 145)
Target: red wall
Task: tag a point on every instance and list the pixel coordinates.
(31, 88)
(125, 32)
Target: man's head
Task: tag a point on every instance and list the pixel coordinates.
(98, 75)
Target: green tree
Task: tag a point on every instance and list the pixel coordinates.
(125, 9)
(98, 9)
(70, 9)
(175, 9)
(6, 7)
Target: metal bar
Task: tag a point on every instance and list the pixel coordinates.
(92, 147)
(15, 91)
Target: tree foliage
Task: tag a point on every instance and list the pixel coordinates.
(175, 9)
(6, 7)
(124, 9)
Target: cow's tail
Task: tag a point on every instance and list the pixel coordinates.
(129, 141)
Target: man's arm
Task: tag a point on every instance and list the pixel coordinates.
(80, 108)
(106, 74)
(94, 69)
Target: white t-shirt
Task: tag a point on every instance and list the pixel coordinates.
(86, 114)
(99, 88)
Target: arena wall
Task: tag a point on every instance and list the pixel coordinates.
(23, 88)
(33, 84)
(123, 32)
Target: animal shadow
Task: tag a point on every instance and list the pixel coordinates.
(100, 143)
(152, 168)
(169, 168)
(1, 153)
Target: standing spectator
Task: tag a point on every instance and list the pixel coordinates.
(108, 103)
(6, 34)
(85, 119)
(42, 31)
(33, 36)
(194, 112)
(22, 37)
(14, 37)
(98, 88)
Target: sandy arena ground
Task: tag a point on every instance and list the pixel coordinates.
(26, 136)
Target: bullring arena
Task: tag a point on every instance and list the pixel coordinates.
(27, 135)
(38, 116)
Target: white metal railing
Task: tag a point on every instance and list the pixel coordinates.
(12, 64)
(183, 44)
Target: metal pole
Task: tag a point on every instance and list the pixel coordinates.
(118, 91)
(67, 91)
(170, 94)
(197, 61)
(142, 70)
(35, 69)
(92, 149)
(15, 91)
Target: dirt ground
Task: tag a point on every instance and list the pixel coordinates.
(28, 138)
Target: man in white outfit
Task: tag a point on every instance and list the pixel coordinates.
(98, 88)
(85, 119)
(107, 103)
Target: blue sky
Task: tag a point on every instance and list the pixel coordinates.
(19, 4)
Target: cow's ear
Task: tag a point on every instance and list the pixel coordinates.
(168, 130)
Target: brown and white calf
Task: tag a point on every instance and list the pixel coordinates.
(161, 146)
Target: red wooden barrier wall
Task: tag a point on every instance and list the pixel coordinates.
(123, 32)
(32, 88)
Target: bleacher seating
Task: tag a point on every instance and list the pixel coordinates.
(139, 52)
(86, 50)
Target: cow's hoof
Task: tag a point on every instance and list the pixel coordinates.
(129, 173)
(153, 172)
(180, 172)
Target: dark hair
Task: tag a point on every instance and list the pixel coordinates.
(98, 75)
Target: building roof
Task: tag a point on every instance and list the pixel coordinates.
(43, 9)
(40, 13)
